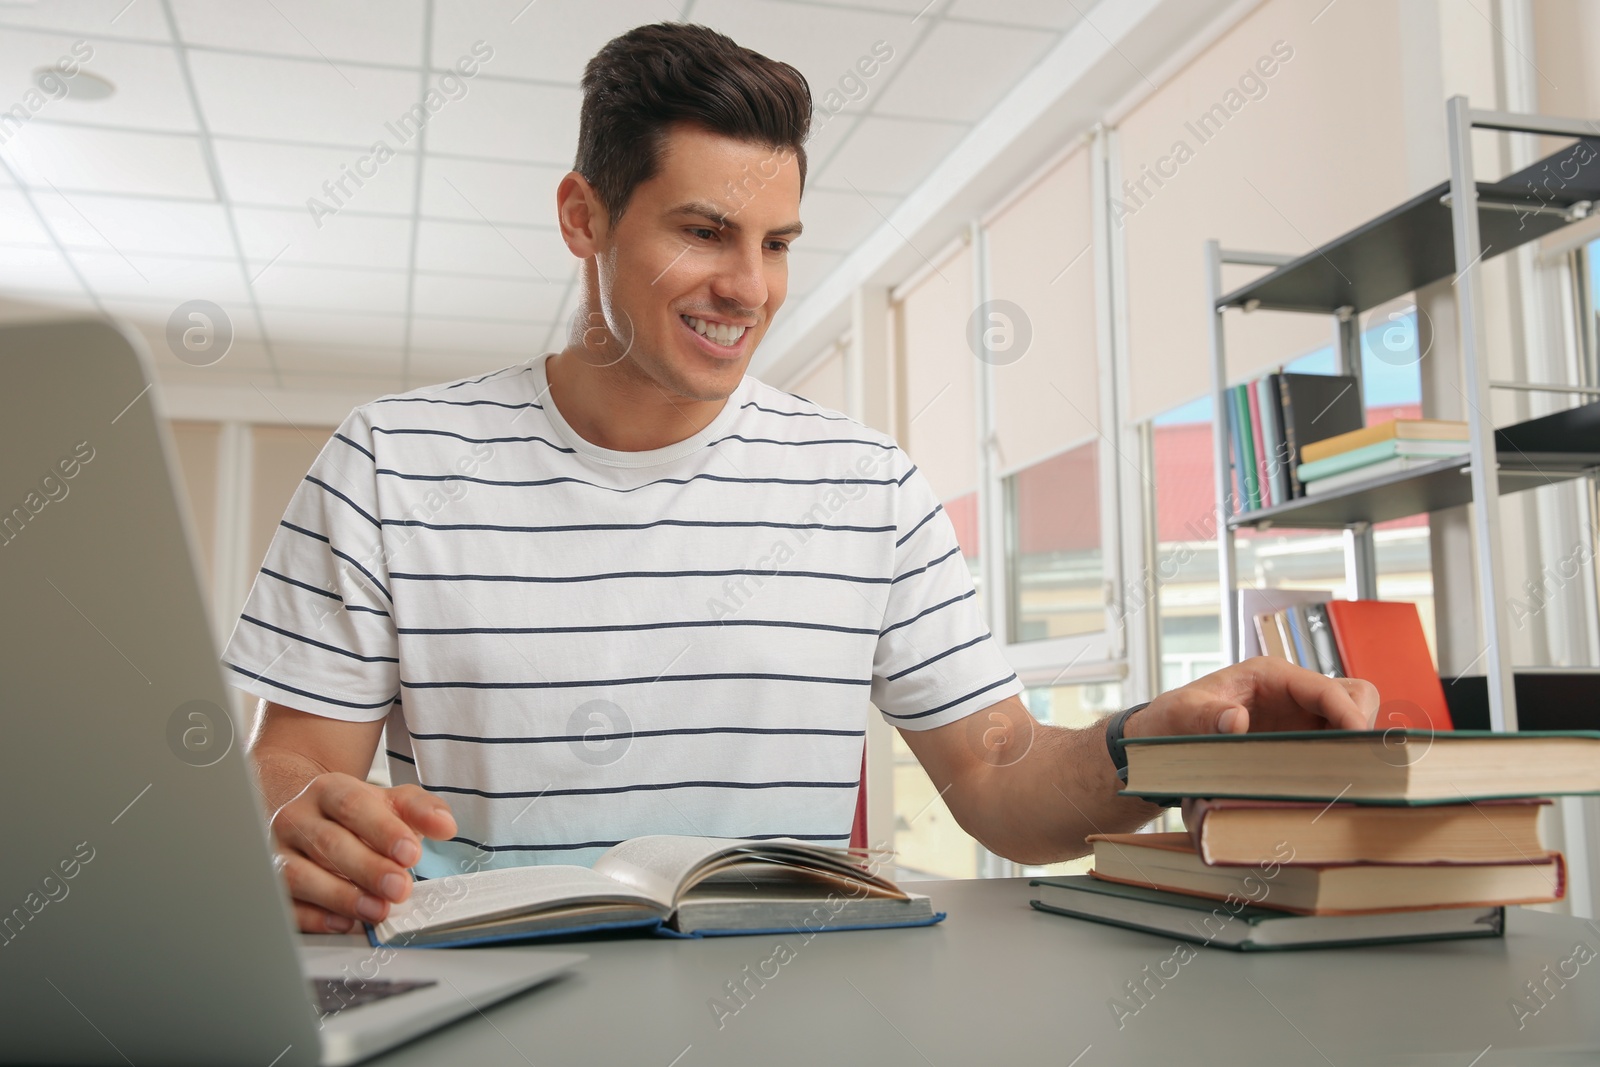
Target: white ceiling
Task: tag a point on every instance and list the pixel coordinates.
(191, 181)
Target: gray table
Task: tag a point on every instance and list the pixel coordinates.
(998, 981)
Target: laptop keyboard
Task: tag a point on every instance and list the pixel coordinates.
(336, 994)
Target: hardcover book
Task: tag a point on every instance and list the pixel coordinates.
(678, 886)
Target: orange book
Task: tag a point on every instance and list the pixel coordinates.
(1382, 641)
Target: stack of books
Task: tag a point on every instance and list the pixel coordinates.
(1273, 420)
(1379, 640)
(1334, 837)
(1372, 452)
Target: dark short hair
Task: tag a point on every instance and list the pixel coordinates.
(652, 77)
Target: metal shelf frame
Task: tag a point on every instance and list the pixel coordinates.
(1482, 464)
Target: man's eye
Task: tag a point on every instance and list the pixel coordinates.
(778, 246)
(704, 232)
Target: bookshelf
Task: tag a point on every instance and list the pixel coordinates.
(1441, 233)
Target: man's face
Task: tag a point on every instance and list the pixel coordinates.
(702, 247)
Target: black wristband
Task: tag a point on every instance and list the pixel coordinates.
(1114, 726)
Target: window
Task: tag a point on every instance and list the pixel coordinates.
(1053, 559)
(1071, 706)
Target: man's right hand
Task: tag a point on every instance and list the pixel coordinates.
(344, 845)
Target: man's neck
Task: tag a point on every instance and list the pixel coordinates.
(618, 407)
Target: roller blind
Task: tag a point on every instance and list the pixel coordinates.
(1041, 259)
(931, 325)
(197, 460)
(1281, 135)
(280, 457)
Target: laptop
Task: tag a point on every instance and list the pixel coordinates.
(141, 919)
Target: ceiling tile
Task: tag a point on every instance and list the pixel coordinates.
(150, 92)
(446, 336)
(806, 269)
(837, 220)
(824, 43)
(509, 120)
(535, 253)
(309, 100)
(501, 192)
(292, 235)
(327, 328)
(505, 300)
(36, 270)
(259, 174)
(374, 31)
(890, 155)
(109, 161)
(134, 225)
(334, 288)
(336, 359)
(548, 40)
(158, 278)
(91, 18)
(1053, 14)
(155, 314)
(961, 71)
(441, 368)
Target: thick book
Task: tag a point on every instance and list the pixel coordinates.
(1247, 833)
(1315, 408)
(1371, 473)
(1382, 641)
(1246, 927)
(1272, 433)
(677, 886)
(1393, 766)
(1402, 429)
(1169, 861)
(1369, 456)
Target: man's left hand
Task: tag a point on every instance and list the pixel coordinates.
(1259, 695)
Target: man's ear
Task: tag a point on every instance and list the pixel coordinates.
(582, 217)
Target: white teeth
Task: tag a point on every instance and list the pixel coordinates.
(721, 333)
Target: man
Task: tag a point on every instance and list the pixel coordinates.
(624, 589)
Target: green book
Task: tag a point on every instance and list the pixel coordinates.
(1246, 927)
(1396, 766)
(1367, 455)
(1252, 484)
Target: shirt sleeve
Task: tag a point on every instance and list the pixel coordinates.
(316, 633)
(936, 660)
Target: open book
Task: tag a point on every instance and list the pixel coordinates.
(685, 886)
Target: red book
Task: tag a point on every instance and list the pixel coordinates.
(1263, 473)
(1382, 641)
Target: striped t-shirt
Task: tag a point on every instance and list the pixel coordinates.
(574, 645)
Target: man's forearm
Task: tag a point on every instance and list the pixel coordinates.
(1039, 808)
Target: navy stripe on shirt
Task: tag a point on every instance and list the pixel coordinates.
(579, 683)
(306, 693)
(387, 472)
(630, 734)
(576, 845)
(565, 578)
(590, 791)
(579, 527)
(317, 644)
(953, 703)
(457, 631)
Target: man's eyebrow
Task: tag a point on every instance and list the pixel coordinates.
(712, 213)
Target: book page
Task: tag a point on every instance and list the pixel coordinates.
(656, 865)
(481, 896)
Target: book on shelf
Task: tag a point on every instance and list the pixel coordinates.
(675, 886)
(1169, 861)
(1272, 435)
(1377, 640)
(1229, 832)
(1258, 444)
(1369, 455)
(1245, 927)
(1379, 767)
(1394, 429)
(1270, 420)
(1382, 641)
(1362, 475)
(1254, 602)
